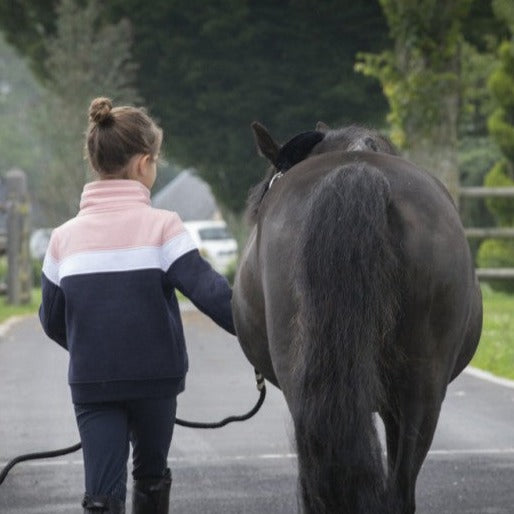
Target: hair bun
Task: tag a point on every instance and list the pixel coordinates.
(100, 110)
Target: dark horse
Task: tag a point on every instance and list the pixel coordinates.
(356, 293)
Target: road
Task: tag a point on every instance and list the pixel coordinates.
(242, 468)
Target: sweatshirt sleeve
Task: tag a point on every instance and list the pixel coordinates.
(193, 276)
(52, 308)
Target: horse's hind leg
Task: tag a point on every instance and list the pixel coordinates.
(409, 433)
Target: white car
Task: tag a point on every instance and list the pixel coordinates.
(214, 242)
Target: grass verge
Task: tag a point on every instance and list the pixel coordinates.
(495, 352)
(7, 310)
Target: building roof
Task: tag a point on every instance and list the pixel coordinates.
(189, 196)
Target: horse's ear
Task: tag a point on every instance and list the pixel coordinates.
(322, 127)
(266, 146)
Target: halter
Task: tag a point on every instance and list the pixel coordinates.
(278, 175)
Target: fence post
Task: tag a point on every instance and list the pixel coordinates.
(19, 266)
(491, 232)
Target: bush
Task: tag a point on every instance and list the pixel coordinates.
(230, 272)
(477, 155)
(497, 253)
(3, 269)
(37, 266)
(501, 208)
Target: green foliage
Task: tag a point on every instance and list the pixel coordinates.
(476, 155)
(230, 272)
(8, 310)
(233, 61)
(3, 269)
(501, 86)
(504, 10)
(501, 127)
(476, 100)
(20, 144)
(85, 58)
(501, 175)
(27, 24)
(500, 82)
(502, 131)
(414, 97)
(37, 269)
(481, 26)
(497, 253)
(208, 71)
(422, 70)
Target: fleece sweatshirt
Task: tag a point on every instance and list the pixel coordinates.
(108, 294)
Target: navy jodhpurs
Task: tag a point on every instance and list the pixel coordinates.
(107, 429)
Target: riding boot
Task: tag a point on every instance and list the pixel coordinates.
(101, 504)
(152, 495)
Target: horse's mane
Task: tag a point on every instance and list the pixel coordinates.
(346, 139)
(355, 138)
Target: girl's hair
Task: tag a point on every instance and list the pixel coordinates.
(115, 135)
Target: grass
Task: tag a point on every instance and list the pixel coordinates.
(7, 310)
(495, 352)
(496, 349)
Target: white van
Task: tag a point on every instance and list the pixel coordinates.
(215, 242)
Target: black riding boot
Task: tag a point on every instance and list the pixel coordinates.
(101, 504)
(152, 495)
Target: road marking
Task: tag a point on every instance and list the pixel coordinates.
(466, 451)
(264, 456)
(485, 375)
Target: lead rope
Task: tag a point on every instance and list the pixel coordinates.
(261, 387)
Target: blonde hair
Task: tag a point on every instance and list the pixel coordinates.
(115, 135)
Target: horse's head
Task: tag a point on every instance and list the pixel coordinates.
(315, 142)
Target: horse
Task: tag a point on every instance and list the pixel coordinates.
(355, 293)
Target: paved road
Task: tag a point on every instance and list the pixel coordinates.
(245, 468)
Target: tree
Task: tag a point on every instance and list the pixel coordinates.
(208, 72)
(20, 145)
(26, 25)
(494, 253)
(84, 59)
(420, 78)
(212, 71)
(477, 152)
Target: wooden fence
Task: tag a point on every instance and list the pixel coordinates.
(494, 232)
(14, 238)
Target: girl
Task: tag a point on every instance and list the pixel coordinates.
(109, 277)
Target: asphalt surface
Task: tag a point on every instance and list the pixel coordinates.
(243, 468)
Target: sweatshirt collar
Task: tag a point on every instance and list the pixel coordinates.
(108, 195)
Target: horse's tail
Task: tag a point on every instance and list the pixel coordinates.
(347, 279)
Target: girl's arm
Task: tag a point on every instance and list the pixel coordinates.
(51, 311)
(208, 290)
